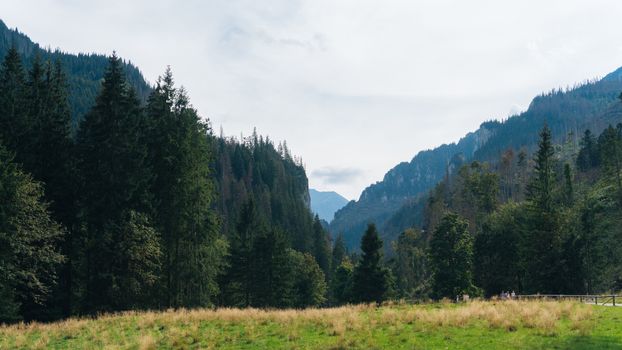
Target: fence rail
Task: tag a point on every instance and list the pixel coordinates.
(602, 299)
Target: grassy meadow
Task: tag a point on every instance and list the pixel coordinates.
(476, 325)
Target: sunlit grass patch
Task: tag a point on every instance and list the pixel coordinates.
(478, 324)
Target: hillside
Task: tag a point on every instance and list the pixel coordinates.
(84, 71)
(590, 105)
(326, 203)
(277, 183)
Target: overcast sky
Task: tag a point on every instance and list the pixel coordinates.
(355, 87)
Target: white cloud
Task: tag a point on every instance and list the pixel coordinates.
(351, 84)
(331, 176)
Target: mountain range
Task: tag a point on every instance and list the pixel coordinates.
(397, 202)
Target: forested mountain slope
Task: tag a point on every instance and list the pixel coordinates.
(546, 223)
(589, 105)
(84, 71)
(255, 169)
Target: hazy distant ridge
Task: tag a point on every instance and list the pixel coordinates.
(325, 204)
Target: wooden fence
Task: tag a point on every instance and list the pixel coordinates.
(593, 299)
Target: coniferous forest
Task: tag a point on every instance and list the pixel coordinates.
(143, 207)
(542, 223)
(139, 205)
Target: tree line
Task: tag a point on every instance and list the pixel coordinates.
(542, 224)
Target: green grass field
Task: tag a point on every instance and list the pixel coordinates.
(477, 325)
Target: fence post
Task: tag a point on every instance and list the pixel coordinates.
(614, 300)
(596, 300)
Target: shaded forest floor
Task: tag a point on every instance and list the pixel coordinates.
(477, 325)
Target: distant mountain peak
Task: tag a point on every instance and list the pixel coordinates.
(326, 203)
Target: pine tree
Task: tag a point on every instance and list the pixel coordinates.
(610, 145)
(49, 158)
(180, 157)
(28, 244)
(272, 272)
(542, 240)
(115, 178)
(338, 253)
(540, 191)
(588, 156)
(451, 258)
(568, 185)
(239, 278)
(370, 278)
(321, 246)
(13, 117)
(522, 165)
(34, 93)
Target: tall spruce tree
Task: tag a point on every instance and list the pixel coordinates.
(339, 252)
(542, 237)
(568, 191)
(13, 117)
(34, 95)
(588, 156)
(115, 179)
(36, 123)
(610, 145)
(370, 280)
(238, 281)
(338, 255)
(49, 157)
(180, 157)
(321, 246)
(273, 277)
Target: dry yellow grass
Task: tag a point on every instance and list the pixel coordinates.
(178, 328)
(147, 343)
(528, 313)
(543, 316)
